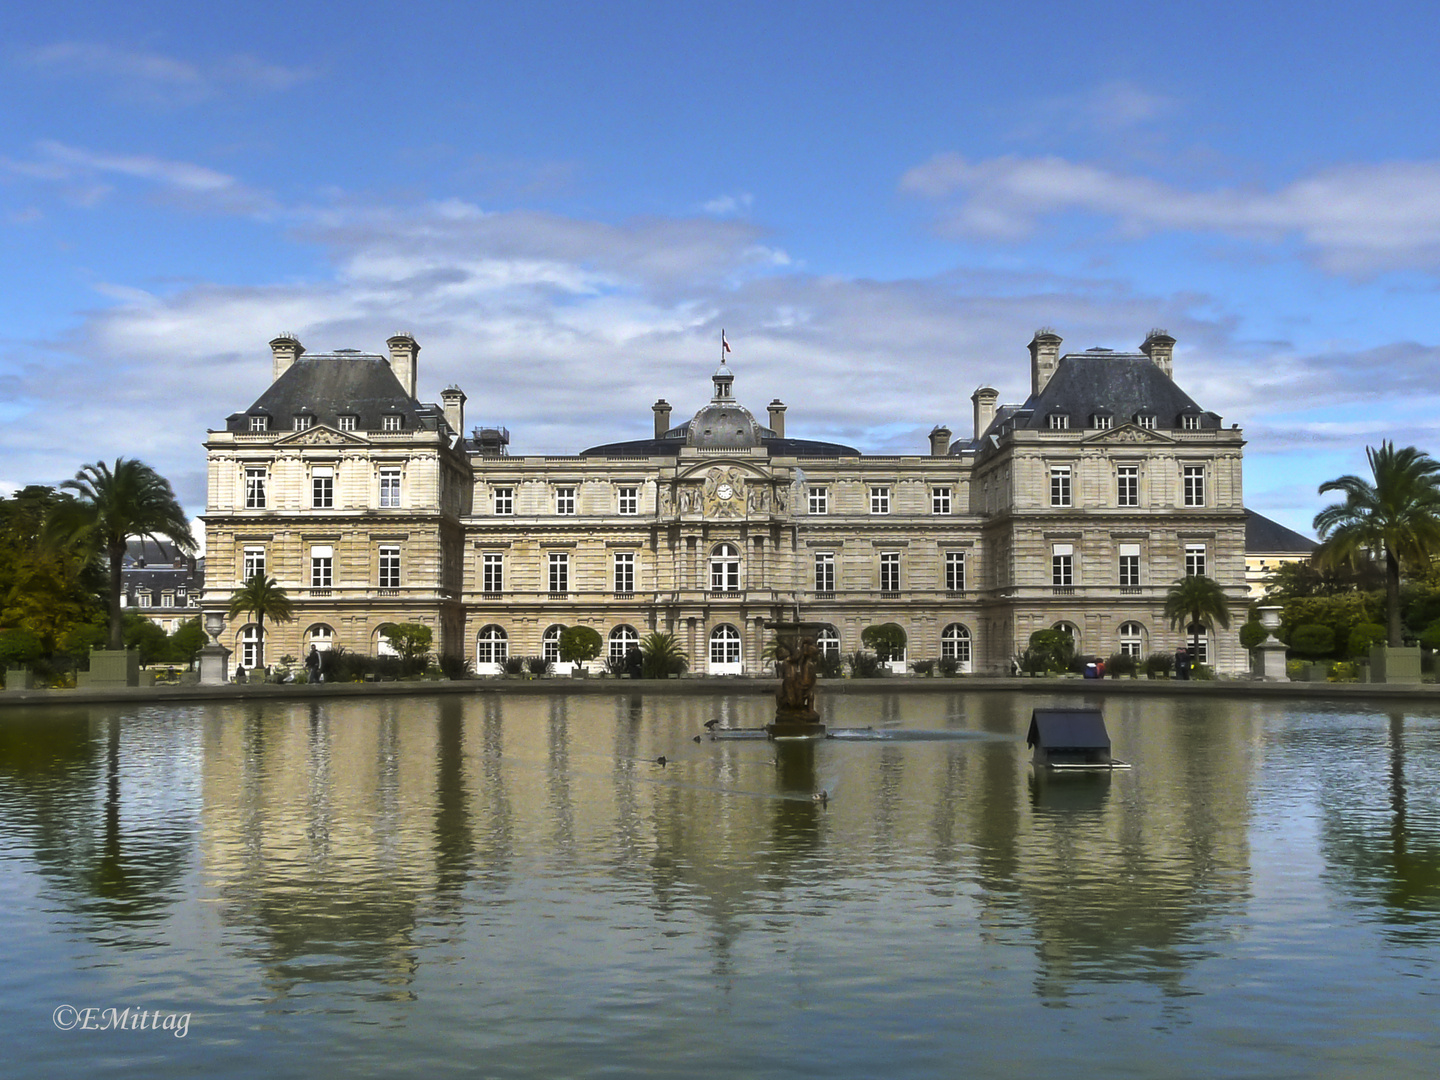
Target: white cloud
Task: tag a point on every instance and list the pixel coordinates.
(163, 79)
(727, 205)
(1354, 218)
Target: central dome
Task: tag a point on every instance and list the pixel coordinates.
(724, 425)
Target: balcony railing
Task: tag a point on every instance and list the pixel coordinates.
(1063, 590)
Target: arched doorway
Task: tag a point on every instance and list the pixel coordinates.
(725, 656)
(955, 645)
(492, 649)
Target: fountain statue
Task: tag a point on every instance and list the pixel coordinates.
(796, 655)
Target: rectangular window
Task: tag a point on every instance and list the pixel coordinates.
(492, 572)
(254, 489)
(629, 502)
(1062, 565)
(1127, 484)
(889, 571)
(1190, 422)
(391, 423)
(304, 423)
(504, 500)
(879, 500)
(819, 500)
(1103, 423)
(824, 571)
(1129, 566)
(322, 567)
(259, 423)
(955, 571)
(565, 500)
(1059, 485)
(559, 572)
(1194, 560)
(389, 488)
(347, 423)
(1145, 420)
(254, 562)
(1194, 485)
(624, 571)
(1058, 421)
(940, 500)
(167, 599)
(389, 566)
(322, 487)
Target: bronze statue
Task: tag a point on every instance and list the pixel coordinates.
(795, 700)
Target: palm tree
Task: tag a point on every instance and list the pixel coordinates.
(261, 596)
(663, 655)
(1399, 514)
(1196, 601)
(133, 500)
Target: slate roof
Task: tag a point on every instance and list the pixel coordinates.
(343, 383)
(1120, 384)
(670, 447)
(1266, 537)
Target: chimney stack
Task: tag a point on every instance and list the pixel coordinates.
(1160, 347)
(404, 360)
(777, 418)
(661, 409)
(1044, 357)
(286, 349)
(984, 400)
(452, 398)
(939, 440)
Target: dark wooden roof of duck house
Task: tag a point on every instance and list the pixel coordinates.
(1069, 737)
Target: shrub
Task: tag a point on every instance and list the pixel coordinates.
(457, 667)
(1080, 661)
(1344, 671)
(864, 665)
(949, 666)
(887, 639)
(1252, 634)
(1121, 664)
(1159, 663)
(1294, 669)
(579, 643)
(537, 665)
(1203, 672)
(412, 641)
(1312, 640)
(1364, 636)
(1053, 650)
(1430, 636)
(513, 665)
(830, 665)
(923, 667)
(661, 656)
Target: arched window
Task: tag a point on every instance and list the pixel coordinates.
(725, 568)
(320, 636)
(622, 640)
(382, 643)
(1070, 629)
(1132, 639)
(725, 651)
(955, 645)
(828, 642)
(550, 644)
(1197, 640)
(491, 647)
(251, 655)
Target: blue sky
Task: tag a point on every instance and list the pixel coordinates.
(565, 203)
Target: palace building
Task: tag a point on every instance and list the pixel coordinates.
(1076, 509)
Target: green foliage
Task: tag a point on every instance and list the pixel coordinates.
(1119, 663)
(923, 667)
(579, 643)
(1363, 637)
(1346, 671)
(1312, 641)
(1430, 636)
(1203, 672)
(1341, 612)
(864, 665)
(887, 639)
(1159, 663)
(187, 641)
(342, 665)
(1197, 599)
(19, 646)
(662, 655)
(412, 641)
(457, 667)
(830, 665)
(1295, 669)
(1252, 634)
(1050, 651)
(140, 633)
(1309, 578)
(49, 583)
(537, 665)
(1396, 513)
(514, 665)
(261, 596)
(949, 666)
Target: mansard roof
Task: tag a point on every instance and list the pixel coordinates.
(1120, 384)
(1266, 537)
(670, 447)
(343, 383)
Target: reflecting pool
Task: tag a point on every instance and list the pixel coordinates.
(515, 886)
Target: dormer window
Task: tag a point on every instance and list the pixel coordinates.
(347, 423)
(1058, 421)
(259, 423)
(391, 423)
(304, 422)
(1190, 422)
(1145, 420)
(1102, 421)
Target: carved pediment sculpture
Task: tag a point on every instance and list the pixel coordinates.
(724, 493)
(320, 436)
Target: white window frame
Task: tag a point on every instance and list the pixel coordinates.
(889, 571)
(819, 500)
(622, 639)
(725, 568)
(259, 423)
(252, 562)
(322, 566)
(1061, 493)
(1145, 420)
(492, 648)
(559, 572)
(1058, 421)
(392, 422)
(346, 422)
(825, 571)
(1127, 485)
(390, 479)
(303, 421)
(956, 643)
(624, 571)
(954, 571)
(250, 638)
(492, 572)
(940, 500)
(1203, 655)
(1192, 479)
(256, 480)
(550, 643)
(828, 641)
(628, 500)
(1132, 639)
(725, 651)
(879, 500)
(1195, 560)
(565, 501)
(1190, 422)
(1062, 565)
(1102, 423)
(1129, 566)
(389, 565)
(504, 501)
(322, 487)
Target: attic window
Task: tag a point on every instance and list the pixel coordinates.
(396, 422)
(303, 422)
(1102, 421)
(1145, 420)
(1190, 422)
(259, 423)
(347, 423)
(1058, 421)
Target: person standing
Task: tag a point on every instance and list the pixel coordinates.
(1182, 663)
(312, 665)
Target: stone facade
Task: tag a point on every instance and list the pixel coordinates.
(1079, 507)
